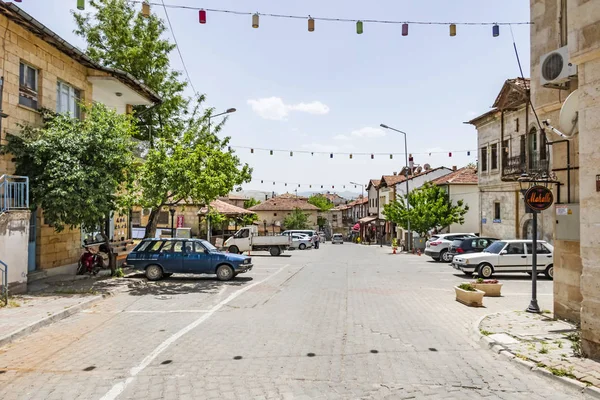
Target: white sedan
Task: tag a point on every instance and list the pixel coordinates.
(301, 242)
(507, 256)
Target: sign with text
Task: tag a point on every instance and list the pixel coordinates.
(180, 221)
(539, 198)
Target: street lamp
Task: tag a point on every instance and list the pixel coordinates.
(533, 304)
(265, 226)
(407, 168)
(362, 188)
(228, 111)
(172, 211)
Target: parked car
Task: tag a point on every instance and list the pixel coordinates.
(300, 241)
(160, 258)
(469, 245)
(337, 238)
(438, 246)
(247, 239)
(308, 232)
(507, 256)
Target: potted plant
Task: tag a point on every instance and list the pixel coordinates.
(468, 295)
(491, 287)
(394, 245)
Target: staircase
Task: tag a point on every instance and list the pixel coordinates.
(14, 193)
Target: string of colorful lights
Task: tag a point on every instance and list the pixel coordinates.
(346, 154)
(203, 14)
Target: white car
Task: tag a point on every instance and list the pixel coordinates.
(438, 247)
(337, 238)
(300, 241)
(507, 256)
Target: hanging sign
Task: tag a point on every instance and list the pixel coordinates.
(180, 221)
(539, 198)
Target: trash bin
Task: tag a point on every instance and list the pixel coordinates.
(419, 243)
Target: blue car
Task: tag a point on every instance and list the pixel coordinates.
(160, 258)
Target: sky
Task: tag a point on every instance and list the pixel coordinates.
(329, 90)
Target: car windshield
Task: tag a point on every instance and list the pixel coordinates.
(209, 246)
(495, 247)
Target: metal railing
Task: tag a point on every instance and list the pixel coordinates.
(515, 166)
(4, 287)
(14, 193)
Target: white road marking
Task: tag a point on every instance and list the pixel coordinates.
(120, 387)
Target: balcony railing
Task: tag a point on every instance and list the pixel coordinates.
(14, 193)
(514, 167)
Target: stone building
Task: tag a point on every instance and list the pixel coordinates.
(41, 70)
(569, 32)
(272, 213)
(510, 144)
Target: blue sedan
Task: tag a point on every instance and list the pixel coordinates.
(160, 258)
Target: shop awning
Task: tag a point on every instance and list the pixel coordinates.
(356, 227)
(366, 220)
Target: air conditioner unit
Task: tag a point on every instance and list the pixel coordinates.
(556, 68)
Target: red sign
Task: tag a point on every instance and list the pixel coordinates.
(539, 198)
(180, 221)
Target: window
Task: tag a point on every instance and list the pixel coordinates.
(543, 152)
(494, 150)
(67, 99)
(163, 217)
(516, 124)
(199, 247)
(484, 159)
(541, 249)
(497, 216)
(178, 248)
(155, 246)
(274, 214)
(515, 248)
(136, 218)
(505, 152)
(167, 247)
(28, 86)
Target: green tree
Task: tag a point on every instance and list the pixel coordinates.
(296, 220)
(320, 201)
(195, 167)
(251, 202)
(430, 208)
(248, 219)
(321, 221)
(78, 169)
(118, 36)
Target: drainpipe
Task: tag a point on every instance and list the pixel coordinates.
(517, 217)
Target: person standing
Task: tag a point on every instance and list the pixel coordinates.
(316, 239)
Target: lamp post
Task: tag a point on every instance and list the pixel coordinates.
(362, 188)
(265, 226)
(381, 224)
(172, 211)
(229, 111)
(407, 168)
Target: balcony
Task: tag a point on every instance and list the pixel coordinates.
(14, 193)
(514, 167)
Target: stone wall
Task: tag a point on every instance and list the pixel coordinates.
(469, 194)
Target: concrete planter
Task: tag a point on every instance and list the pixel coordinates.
(469, 298)
(490, 289)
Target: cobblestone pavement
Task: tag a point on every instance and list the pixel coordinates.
(549, 343)
(342, 322)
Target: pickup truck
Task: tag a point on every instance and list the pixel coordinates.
(247, 239)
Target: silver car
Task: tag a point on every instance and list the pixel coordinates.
(301, 242)
(337, 238)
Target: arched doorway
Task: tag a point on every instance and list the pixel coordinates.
(528, 229)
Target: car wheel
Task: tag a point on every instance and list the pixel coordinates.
(549, 272)
(225, 272)
(445, 256)
(154, 272)
(302, 246)
(485, 271)
(234, 250)
(275, 251)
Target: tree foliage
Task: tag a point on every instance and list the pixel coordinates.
(296, 220)
(430, 208)
(196, 166)
(251, 202)
(78, 169)
(118, 36)
(248, 219)
(321, 202)
(321, 221)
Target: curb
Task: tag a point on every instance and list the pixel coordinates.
(500, 349)
(29, 329)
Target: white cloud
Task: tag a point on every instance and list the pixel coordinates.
(368, 132)
(342, 137)
(274, 108)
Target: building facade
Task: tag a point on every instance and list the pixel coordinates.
(272, 213)
(41, 70)
(574, 28)
(510, 144)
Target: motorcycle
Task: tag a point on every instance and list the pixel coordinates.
(91, 261)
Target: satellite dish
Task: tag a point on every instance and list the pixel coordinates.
(569, 115)
(419, 169)
(427, 167)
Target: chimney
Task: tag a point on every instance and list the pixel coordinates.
(454, 168)
(395, 173)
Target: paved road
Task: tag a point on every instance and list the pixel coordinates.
(342, 322)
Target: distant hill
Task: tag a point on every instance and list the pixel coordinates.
(260, 194)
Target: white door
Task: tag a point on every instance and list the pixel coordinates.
(513, 258)
(544, 257)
